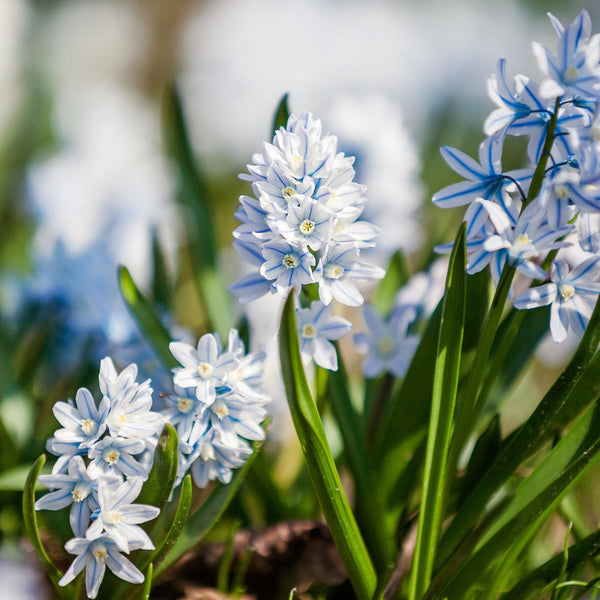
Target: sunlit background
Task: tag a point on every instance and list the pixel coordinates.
(85, 184)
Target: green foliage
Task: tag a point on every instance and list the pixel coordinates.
(445, 385)
(324, 475)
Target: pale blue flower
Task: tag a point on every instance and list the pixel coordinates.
(518, 244)
(84, 423)
(76, 489)
(576, 69)
(307, 222)
(337, 271)
(211, 459)
(182, 410)
(520, 111)
(119, 518)
(130, 413)
(289, 266)
(485, 179)
(306, 199)
(113, 457)
(94, 556)
(203, 367)
(572, 295)
(316, 328)
(387, 345)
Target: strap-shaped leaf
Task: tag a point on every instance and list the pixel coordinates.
(31, 529)
(200, 523)
(323, 473)
(404, 426)
(158, 487)
(370, 513)
(151, 326)
(573, 391)
(192, 189)
(146, 588)
(282, 113)
(445, 385)
(579, 555)
(164, 546)
(534, 501)
(160, 276)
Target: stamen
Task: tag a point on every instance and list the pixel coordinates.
(566, 291)
(333, 271)
(289, 261)
(306, 227)
(89, 427)
(309, 331)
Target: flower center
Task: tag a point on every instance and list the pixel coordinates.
(80, 492)
(205, 370)
(220, 409)
(184, 405)
(111, 517)
(111, 455)
(561, 192)
(288, 192)
(296, 161)
(306, 227)
(289, 261)
(309, 331)
(571, 74)
(332, 271)
(386, 346)
(99, 552)
(89, 426)
(566, 291)
(207, 452)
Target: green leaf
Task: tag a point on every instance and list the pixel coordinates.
(192, 189)
(177, 523)
(31, 529)
(397, 274)
(282, 114)
(200, 523)
(158, 487)
(370, 512)
(160, 276)
(145, 593)
(404, 426)
(573, 391)
(324, 476)
(579, 555)
(484, 453)
(535, 499)
(150, 325)
(445, 385)
(200, 228)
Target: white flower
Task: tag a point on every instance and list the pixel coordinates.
(572, 295)
(388, 346)
(316, 327)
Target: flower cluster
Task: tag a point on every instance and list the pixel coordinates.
(118, 437)
(217, 406)
(510, 223)
(389, 344)
(303, 225)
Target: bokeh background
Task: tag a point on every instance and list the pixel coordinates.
(85, 184)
